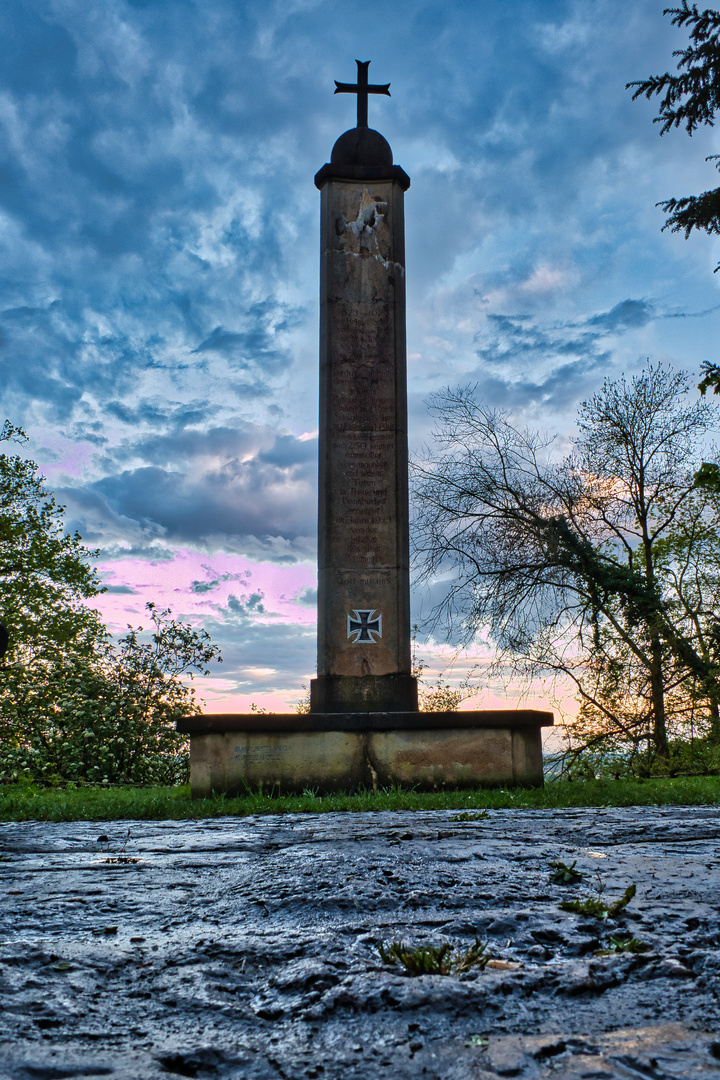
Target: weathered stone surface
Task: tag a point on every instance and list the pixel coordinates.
(248, 948)
(445, 758)
(368, 750)
(363, 555)
(514, 719)
(238, 761)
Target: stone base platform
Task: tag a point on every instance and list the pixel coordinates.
(233, 752)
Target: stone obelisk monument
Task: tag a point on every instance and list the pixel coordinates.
(363, 574)
(364, 727)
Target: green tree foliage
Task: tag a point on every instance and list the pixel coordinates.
(599, 567)
(107, 715)
(708, 475)
(74, 705)
(690, 98)
(439, 696)
(45, 573)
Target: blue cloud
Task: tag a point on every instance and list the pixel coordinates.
(233, 502)
(287, 452)
(307, 598)
(205, 586)
(627, 315)
(247, 606)
(245, 486)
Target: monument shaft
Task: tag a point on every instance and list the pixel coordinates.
(363, 575)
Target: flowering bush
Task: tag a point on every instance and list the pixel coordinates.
(73, 704)
(106, 715)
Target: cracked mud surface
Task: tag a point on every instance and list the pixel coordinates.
(247, 948)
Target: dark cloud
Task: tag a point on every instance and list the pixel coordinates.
(150, 552)
(185, 444)
(246, 606)
(627, 315)
(528, 361)
(307, 598)
(157, 415)
(551, 364)
(128, 239)
(236, 501)
(205, 485)
(205, 586)
(257, 345)
(224, 341)
(539, 368)
(523, 340)
(210, 586)
(519, 346)
(287, 451)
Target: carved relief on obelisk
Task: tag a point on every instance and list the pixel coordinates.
(363, 586)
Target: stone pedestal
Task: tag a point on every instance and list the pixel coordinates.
(327, 752)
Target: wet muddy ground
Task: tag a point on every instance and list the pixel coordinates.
(249, 948)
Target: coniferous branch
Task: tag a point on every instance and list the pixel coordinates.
(693, 96)
(690, 99)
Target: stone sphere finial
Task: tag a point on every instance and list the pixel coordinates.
(362, 146)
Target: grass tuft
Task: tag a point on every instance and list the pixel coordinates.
(566, 875)
(596, 907)
(620, 944)
(434, 959)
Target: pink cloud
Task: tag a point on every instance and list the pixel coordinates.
(197, 586)
(61, 457)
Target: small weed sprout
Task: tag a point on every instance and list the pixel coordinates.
(473, 957)
(620, 944)
(566, 875)
(434, 959)
(596, 907)
(466, 815)
(478, 1040)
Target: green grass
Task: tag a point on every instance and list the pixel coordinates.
(24, 802)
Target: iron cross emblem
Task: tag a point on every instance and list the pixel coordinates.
(363, 626)
(362, 88)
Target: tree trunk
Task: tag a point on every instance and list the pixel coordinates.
(714, 719)
(657, 684)
(659, 734)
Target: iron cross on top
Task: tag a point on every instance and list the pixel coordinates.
(362, 88)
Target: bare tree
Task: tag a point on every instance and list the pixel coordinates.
(556, 556)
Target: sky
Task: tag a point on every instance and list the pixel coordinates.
(159, 274)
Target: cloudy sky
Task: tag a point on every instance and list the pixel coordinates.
(158, 282)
